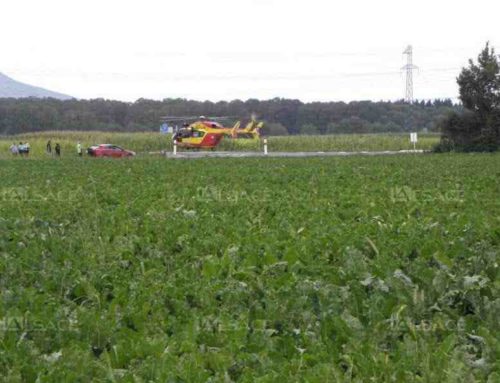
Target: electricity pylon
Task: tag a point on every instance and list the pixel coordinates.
(409, 74)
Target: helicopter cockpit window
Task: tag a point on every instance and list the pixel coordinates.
(184, 133)
(197, 133)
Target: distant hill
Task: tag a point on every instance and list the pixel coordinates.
(12, 88)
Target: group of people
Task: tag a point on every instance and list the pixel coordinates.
(23, 149)
(57, 148)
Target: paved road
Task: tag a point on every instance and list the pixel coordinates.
(193, 154)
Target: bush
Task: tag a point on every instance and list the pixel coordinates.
(468, 132)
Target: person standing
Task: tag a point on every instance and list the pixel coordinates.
(49, 147)
(21, 149)
(14, 149)
(79, 148)
(58, 149)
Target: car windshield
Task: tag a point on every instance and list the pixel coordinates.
(109, 146)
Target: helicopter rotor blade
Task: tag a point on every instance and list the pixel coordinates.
(215, 118)
(178, 118)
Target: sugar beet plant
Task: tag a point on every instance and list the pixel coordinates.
(256, 270)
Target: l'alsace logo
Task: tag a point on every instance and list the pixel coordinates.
(407, 194)
(403, 194)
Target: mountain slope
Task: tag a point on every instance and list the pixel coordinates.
(15, 89)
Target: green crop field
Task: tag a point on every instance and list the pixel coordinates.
(144, 143)
(359, 269)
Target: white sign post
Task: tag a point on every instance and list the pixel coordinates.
(413, 140)
(265, 145)
(175, 147)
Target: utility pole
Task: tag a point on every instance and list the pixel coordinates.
(409, 74)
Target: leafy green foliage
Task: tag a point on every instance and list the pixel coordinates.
(244, 270)
(480, 83)
(478, 128)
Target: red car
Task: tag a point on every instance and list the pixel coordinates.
(109, 150)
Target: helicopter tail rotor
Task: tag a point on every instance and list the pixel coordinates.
(234, 130)
(253, 125)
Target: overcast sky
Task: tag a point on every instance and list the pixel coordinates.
(313, 50)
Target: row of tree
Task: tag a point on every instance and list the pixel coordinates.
(282, 116)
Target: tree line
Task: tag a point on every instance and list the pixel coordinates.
(282, 116)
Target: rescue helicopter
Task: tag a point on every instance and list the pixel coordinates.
(208, 132)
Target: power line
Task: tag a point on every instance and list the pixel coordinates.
(158, 76)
